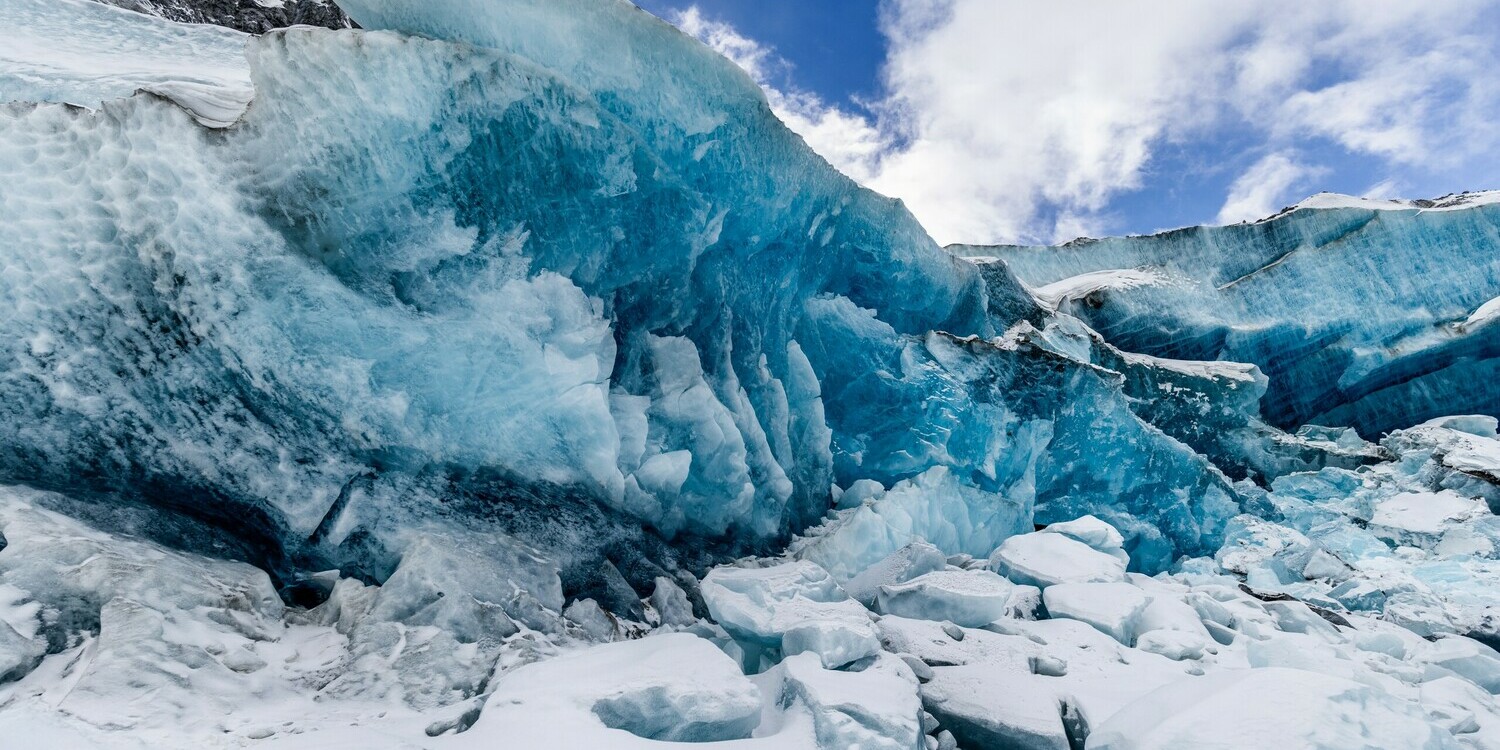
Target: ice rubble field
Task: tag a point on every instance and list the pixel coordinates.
(505, 374)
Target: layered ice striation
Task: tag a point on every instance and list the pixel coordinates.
(1368, 314)
(548, 268)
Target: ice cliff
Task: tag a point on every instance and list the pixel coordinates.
(1367, 314)
(581, 263)
(503, 371)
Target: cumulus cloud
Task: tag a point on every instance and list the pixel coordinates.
(1006, 121)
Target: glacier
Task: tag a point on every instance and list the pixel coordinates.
(524, 275)
(503, 371)
(1366, 314)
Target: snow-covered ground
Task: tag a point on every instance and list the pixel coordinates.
(84, 53)
(1343, 625)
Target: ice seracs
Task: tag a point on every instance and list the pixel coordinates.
(790, 608)
(1361, 313)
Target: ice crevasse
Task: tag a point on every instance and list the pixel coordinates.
(488, 260)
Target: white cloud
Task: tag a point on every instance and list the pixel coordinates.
(1387, 189)
(1005, 120)
(1271, 184)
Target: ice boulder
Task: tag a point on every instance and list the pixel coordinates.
(968, 598)
(1420, 519)
(670, 603)
(987, 707)
(672, 687)
(875, 708)
(1172, 644)
(1264, 551)
(1266, 708)
(1095, 533)
(1171, 627)
(915, 559)
(835, 642)
(791, 607)
(1471, 659)
(1112, 608)
(1042, 559)
(18, 654)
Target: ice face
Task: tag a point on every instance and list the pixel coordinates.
(531, 279)
(1365, 314)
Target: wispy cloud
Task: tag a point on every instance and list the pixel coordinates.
(1272, 183)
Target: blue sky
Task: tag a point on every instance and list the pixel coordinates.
(1010, 121)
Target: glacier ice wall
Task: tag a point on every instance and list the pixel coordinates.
(567, 275)
(1360, 313)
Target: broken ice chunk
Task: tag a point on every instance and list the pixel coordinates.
(1095, 533)
(1418, 519)
(969, 598)
(876, 708)
(764, 605)
(1112, 608)
(675, 687)
(1041, 559)
(904, 564)
(986, 707)
(671, 603)
(836, 642)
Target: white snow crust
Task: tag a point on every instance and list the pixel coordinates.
(86, 53)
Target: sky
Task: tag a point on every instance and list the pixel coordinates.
(1021, 121)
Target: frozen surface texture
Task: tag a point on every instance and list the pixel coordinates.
(1370, 314)
(507, 374)
(84, 53)
(115, 641)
